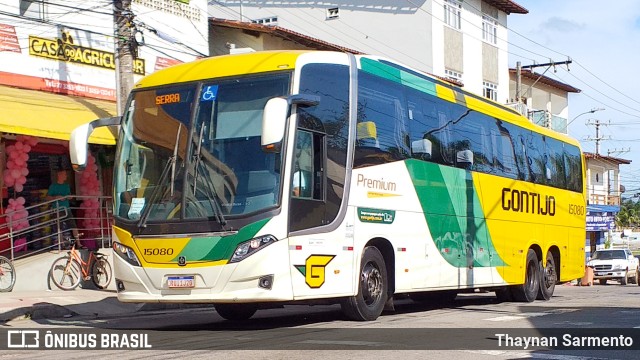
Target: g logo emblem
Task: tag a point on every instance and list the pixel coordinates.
(314, 269)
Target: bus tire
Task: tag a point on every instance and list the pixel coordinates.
(236, 311)
(369, 302)
(528, 291)
(548, 278)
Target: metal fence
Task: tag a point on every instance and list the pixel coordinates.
(51, 225)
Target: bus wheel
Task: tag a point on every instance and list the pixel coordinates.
(548, 278)
(368, 304)
(528, 291)
(236, 311)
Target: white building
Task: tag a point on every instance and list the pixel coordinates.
(448, 38)
(545, 100)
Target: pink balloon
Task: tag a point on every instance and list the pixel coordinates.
(24, 156)
(20, 200)
(14, 154)
(19, 145)
(33, 141)
(19, 187)
(10, 148)
(27, 148)
(25, 171)
(15, 173)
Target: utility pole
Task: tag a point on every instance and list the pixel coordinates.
(519, 68)
(125, 50)
(598, 138)
(518, 81)
(519, 92)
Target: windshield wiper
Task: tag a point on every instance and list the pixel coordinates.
(171, 164)
(212, 195)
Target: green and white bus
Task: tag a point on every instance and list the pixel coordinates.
(275, 177)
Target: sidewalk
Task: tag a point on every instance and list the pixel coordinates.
(47, 304)
(55, 304)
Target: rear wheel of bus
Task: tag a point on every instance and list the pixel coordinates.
(548, 278)
(369, 302)
(528, 291)
(236, 311)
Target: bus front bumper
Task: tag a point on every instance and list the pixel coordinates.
(260, 277)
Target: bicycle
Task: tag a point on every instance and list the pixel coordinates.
(7, 274)
(67, 271)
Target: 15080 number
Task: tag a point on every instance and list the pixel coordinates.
(158, 251)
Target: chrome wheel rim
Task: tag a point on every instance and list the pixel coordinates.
(371, 284)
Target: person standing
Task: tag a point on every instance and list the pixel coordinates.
(60, 190)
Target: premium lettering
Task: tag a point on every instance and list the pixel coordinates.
(378, 184)
(528, 202)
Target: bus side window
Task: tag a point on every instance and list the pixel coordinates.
(307, 179)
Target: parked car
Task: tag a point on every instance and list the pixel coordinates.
(615, 264)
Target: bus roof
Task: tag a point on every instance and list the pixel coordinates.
(267, 61)
(222, 66)
(410, 77)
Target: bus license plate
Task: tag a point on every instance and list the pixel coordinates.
(181, 282)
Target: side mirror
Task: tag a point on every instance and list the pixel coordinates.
(274, 118)
(422, 147)
(79, 140)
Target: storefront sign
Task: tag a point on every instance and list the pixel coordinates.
(600, 221)
(64, 49)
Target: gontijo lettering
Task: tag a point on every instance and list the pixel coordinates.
(528, 202)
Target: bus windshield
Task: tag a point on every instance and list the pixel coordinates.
(193, 151)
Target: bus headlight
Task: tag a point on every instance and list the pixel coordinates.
(245, 249)
(126, 253)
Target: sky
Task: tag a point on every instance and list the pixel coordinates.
(604, 44)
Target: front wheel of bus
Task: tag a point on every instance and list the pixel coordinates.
(548, 278)
(368, 304)
(528, 291)
(236, 311)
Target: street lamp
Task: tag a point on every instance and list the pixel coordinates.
(586, 112)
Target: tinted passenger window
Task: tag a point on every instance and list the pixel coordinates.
(382, 129)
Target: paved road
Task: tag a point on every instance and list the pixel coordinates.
(321, 331)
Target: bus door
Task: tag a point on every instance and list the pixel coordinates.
(321, 254)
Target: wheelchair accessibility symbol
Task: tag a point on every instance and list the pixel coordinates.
(210, 93)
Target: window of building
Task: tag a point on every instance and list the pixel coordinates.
(333, 13)
(453, 13)
(273, 20)
(489, 29)
(453, 74)
(490, 90)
